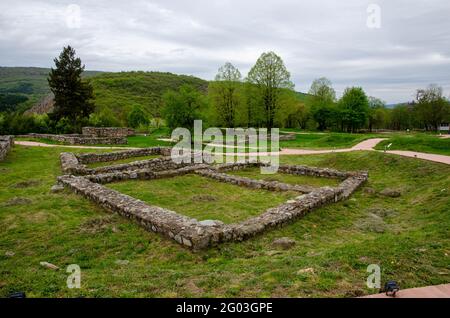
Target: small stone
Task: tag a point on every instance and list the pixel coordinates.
(306, 270)
(122, 262)
(49, 265)
(392, 193)
(10, 254)
(369, 190)
(210, 222)
(272, 253)
(187, 242)
(56, 188)
(284, 243)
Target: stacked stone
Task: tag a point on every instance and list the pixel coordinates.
(76, 164)
(77, 139)
(188, 231)
(252, 183)
(107, 131)
(119, 155)
(6, 143)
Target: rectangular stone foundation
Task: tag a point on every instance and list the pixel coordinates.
(190, 232)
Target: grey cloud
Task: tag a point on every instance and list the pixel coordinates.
(315, 38)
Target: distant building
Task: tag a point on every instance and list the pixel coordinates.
(445, 127)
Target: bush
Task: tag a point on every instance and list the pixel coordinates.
(104, 119)
(137, 117)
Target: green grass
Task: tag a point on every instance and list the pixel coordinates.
(202, 198)
(337, 241)
(327, 140)
(418, 142)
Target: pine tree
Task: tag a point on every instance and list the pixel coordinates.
(73, 96)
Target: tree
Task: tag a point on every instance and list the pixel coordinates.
(183, 107)
(432, 107)
(401, 117)
(137, 117)
(322, 100)
(73, 96)
(377, 113)
(270, 77)
(353, 107)
(224, 92)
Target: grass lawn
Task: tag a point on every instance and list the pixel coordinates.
(418, 142)
(327, 140)
(203, 198)
(407, 236)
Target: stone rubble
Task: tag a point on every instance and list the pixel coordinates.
(6, 143)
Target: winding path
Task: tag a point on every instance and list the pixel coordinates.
(366, 145)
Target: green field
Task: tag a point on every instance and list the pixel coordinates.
(417, 142)
(311, 140)
(202, 198)
(407, 236)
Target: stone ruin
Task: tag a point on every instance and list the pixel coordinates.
(90, 136)
(187, 231)
(6, 143)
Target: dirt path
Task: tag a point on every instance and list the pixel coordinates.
(368, 144)
(420, 155)
(438, 291)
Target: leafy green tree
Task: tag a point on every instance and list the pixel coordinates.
(224, 92)
(322, 99)
(377, 113)
(104, 119)
(137, 117)
(270, 76)
(354, 108)
(73, 96)
(402, 117)
(9, 102)
(183, 107)
(432, 107)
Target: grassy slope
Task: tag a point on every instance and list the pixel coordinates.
(326, 140)
(11, 77)
(64, 229)
(418, 142)
(118, 92)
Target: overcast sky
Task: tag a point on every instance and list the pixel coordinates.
(409, 50)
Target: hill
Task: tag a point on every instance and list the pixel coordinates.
(26, 85)
(119, 92)
(115, 93)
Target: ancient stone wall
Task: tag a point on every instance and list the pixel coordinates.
(202, 234)
(101, 132)
(197, 235)
(6, 143)
(77, 139)
(76, 164)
